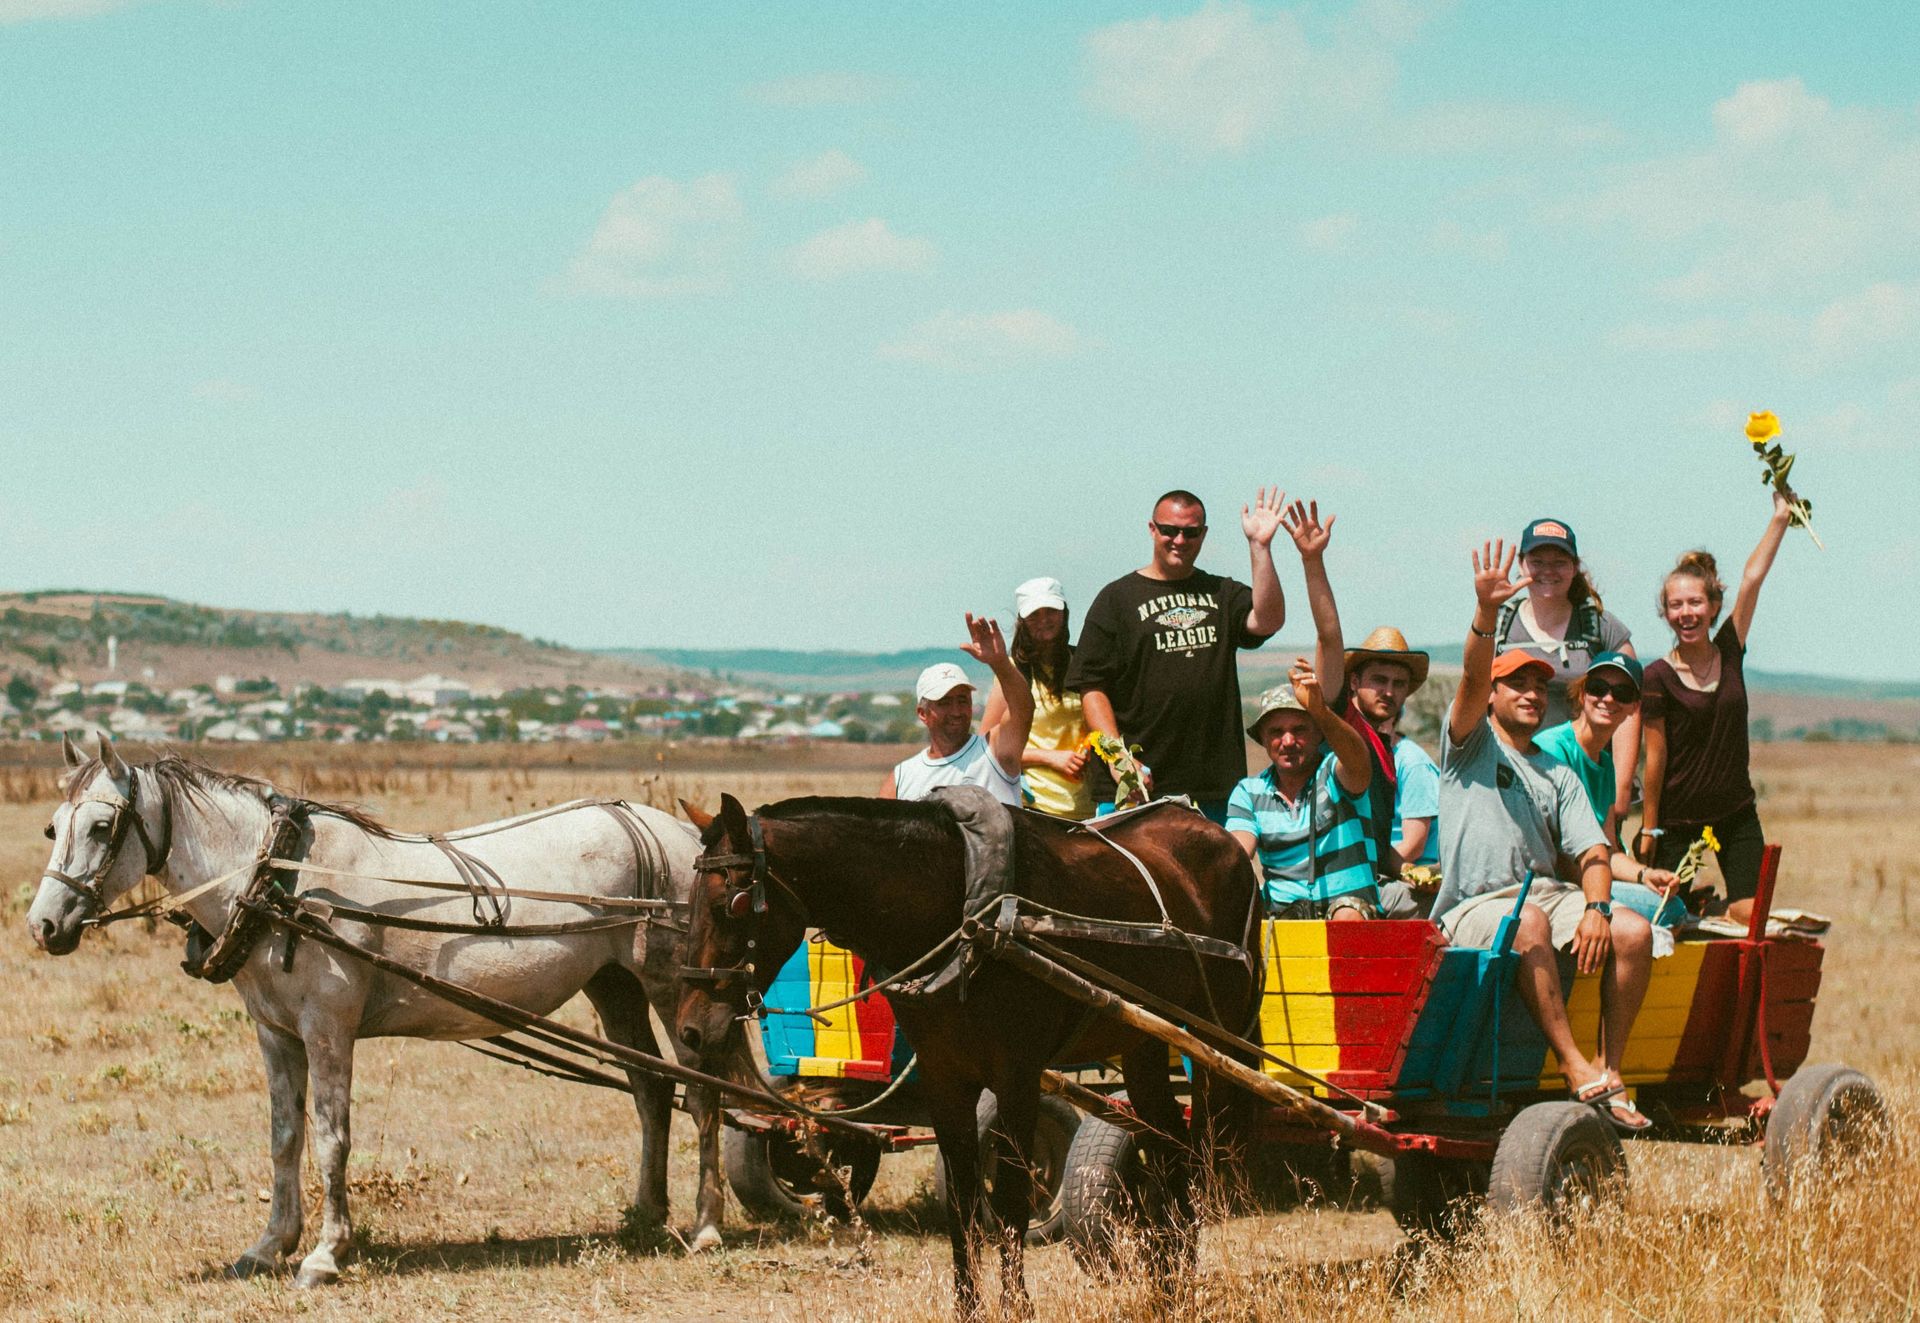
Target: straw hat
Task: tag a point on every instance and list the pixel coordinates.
(1388, 644)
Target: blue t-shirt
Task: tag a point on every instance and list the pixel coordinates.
(1597, 777)
(1417, 795)
(1330, 854)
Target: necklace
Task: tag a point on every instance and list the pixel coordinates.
(1706, 682)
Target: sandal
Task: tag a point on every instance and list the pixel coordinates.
(1627, 1118)
(1598, 1091)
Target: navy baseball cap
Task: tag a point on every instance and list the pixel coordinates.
(1549, 533)
(1619, 661)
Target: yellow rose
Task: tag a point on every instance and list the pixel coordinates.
(1761, 428)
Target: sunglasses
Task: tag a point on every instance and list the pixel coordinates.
(1174, 532)
(1620, 693)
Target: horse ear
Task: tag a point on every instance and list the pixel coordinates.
(115, 765)
(699, 819)
(66, 746)
(734, 817)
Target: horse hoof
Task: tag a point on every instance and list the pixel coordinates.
(708, 1239)
(311, 1278)
(248, 1266)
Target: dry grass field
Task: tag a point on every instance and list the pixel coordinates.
(133, 1128)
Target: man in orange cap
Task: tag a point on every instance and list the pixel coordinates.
(1509, 811)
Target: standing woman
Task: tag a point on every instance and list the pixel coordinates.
(1053, 765)
(1695, 711)
(1563, 622)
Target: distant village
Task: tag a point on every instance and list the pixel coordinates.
(441, 709)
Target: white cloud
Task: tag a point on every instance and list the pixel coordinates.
(970, 341)
(222, 390)
(1880, 314)
(661, 237)
(819, 176)
(1330, 234)
(1458, 240)
(28, 11)
(856, 247)
(1229, 75)
(806, 91)
(1791, 196)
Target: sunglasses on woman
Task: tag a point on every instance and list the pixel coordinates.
(1620, 693)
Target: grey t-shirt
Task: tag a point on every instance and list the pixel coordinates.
(1504, 814)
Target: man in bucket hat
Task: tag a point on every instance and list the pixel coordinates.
(1303, 820)
(1382, 674)
(956, 754)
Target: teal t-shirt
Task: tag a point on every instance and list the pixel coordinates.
(1597, 777)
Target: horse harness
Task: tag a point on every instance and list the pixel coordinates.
(749, 902)
(126, 817)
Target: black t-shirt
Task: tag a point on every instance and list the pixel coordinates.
(1163, 652)
(1707, 761)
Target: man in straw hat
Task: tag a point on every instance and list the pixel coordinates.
(1303, 820)
(1510, 811)
(1382, 674)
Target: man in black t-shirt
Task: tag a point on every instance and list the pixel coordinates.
(1156, 665)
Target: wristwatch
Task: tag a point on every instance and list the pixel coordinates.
(1604, 908)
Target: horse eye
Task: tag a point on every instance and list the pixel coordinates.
(49, 832)
(98, 829)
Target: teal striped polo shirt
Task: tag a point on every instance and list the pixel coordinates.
(1333, 854)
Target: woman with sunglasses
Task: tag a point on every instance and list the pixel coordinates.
(1562, 621)
(1053, 765)
(1696, 720)
(1605, 698)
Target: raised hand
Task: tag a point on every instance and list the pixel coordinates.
(985, 643)
(1306, 685)
(1261, 520)
(1302, 522)
(1493, 583)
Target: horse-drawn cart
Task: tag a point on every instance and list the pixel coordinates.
(1429, 1054)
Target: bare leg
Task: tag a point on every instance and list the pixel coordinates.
(1624, 984)
(1740, 911)
(286, 1060)
(1538, 979)
(331, 1063)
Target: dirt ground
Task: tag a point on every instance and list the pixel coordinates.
(133, 1129)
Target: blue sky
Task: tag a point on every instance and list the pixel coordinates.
(816, 326)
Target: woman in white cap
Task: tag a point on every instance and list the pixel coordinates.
(1054, 764)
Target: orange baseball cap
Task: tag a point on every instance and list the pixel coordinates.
(1518, 659)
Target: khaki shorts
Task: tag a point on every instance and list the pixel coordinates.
(1476, 922)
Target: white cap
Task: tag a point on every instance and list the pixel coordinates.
(1035, 594)
(939, 680)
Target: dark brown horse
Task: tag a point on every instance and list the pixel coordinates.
(885, 879)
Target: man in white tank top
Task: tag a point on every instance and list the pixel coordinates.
(955, 754)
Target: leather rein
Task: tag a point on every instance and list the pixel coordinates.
(126, 817)
(751, 901)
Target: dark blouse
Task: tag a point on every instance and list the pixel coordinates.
(1707, 764)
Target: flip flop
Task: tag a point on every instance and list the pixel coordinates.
(1597, 1091)
(1627, 1118)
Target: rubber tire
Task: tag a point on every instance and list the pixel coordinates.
(1824, 1112)
(1554, 1156)
(1103, 1199)
(1055, 1126)
(772, 1179)
(1431, 1196)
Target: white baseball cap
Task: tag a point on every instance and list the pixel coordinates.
(1036, 594)
(939, 680)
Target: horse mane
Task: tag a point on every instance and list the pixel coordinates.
(915, 816)
(193, 780)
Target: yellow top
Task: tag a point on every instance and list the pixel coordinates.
(1057, 724)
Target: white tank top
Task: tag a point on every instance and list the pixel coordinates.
(972, 763)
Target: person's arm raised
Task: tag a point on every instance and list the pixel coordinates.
(1353, 765)
(1260, 521)
(1493, 584)
(1759, 563)
(987, 645)
(1310, 537)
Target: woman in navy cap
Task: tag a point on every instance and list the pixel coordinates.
(1562, 621)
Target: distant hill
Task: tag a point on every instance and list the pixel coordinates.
(164, 643)
(786, 668)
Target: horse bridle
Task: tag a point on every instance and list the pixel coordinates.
(750, 902)
(126, 816)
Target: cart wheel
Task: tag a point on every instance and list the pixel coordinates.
(1557, 1156)
(1053, 1133)
(1431, 1196)
(1823, 1114)
(773, 1177)
(1104, 1198)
